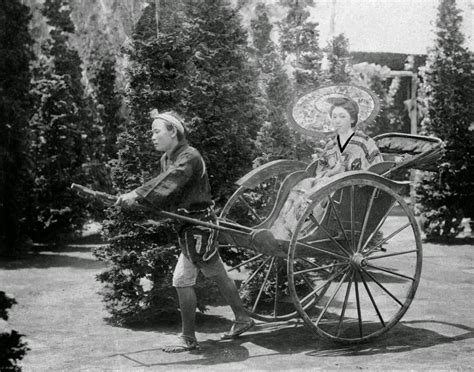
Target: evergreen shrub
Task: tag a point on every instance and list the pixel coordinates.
(445, 197)
(15, 110)
(12, 347)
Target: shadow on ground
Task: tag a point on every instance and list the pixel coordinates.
(295, 339)
(44, 257)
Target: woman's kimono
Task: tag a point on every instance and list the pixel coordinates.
(359, 152)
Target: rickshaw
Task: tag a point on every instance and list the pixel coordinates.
(350, 271)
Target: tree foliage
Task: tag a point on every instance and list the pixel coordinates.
(64, 131)
(15, 110)
(338, 59)
(275, 139)
(12, 347)
(299, 40)
(448, 88)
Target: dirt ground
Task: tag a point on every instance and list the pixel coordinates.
(62, 316)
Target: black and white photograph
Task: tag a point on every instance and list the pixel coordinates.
(236, 185)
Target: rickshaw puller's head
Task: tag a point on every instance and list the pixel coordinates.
(167, 130)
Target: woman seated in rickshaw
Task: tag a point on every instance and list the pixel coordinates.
(350, 150)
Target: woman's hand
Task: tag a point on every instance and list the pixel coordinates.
(318, 154)
(128, 200)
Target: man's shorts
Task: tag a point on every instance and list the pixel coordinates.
(185, 272)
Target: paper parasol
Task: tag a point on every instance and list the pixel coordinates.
(309, 113)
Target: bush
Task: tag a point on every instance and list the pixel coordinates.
(12, 347)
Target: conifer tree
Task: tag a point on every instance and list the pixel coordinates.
(448, 87)
(338, 59)
(109, 101)
(15, 110)
(65, 134)
(222, 99)
(275, 139)
(299, 40)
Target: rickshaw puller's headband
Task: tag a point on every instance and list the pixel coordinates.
(169, 118)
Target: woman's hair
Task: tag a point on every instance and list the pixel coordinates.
(169, 126)
(349, 105)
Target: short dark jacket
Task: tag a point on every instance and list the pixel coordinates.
(182, 184)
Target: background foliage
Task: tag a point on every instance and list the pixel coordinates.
(12, 347)
(448, 87)
(15, 109)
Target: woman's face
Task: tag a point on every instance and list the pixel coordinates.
(341, 120)
(162, 138)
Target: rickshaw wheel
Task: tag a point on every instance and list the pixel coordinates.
(261, 279)
(371, 241)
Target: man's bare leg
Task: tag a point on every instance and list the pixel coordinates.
(243, 322)
(187, 304)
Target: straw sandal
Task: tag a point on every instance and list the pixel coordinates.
(183, 343)
(238, 327)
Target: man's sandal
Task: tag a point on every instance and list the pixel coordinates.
(238, 327)
(183, 343)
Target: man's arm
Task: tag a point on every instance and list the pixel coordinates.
(160, 190)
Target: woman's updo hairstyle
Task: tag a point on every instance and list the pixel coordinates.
(347, 104)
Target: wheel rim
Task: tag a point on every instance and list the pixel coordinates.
(374, 254)
(261, 280)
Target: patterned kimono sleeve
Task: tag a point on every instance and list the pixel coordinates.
(362, 154)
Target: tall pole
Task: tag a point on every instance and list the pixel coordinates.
(414, 112)
(157, 17)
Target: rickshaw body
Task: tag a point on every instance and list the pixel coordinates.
(353, 263)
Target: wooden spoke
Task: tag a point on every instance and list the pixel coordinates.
(381, 286)
(313, 220)
(344, 305)
(330, 279)
(379, 225)
(308, 282)
(311, 263)
(352, 216)
(249, 207)
(366, 219)
(331, 299)
(319, 268)
(391, 272)
(396, 232)
(372, 299)
(244, 284)
(308, 261)
(391, 254)
(331, 237)
(359, 312)
(263, 285)
(322, 250)
(331, 201)
(229, 246)
(275, 303)
(246, 262)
